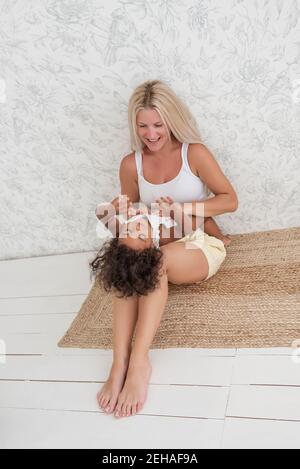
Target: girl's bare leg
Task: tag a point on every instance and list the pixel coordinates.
(125, 313)
(134, 392)
(181, 265)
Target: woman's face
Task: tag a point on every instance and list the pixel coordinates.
(137, 234)
(151, 129)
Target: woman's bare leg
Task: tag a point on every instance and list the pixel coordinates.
(212, 229)
(125, 313)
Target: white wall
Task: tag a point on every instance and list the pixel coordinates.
(67, 70)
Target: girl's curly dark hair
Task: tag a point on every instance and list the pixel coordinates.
(126, 270)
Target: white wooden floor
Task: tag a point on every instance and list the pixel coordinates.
(198, 398)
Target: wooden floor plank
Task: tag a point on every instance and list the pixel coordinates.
(22, 428)
(41, 305)
(180, 401)
(30, 324)
(168, 368)
(266, 369)
(265, 402)
(45, 276)
(265, 351)
(260, 434)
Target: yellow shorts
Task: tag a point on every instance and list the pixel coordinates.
(213, 249)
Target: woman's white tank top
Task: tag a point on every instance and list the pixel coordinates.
(185, 187)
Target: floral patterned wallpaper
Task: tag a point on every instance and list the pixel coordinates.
(67, 70)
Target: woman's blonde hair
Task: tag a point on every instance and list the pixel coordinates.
(154, 94)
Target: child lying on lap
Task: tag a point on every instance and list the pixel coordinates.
(131, 262)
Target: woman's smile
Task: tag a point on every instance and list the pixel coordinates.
(153, 142)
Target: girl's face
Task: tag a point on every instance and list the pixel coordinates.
(137, 234)
(151, 129)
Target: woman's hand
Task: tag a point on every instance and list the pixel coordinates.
(122, 204)
(138, 211)
(165, 208)
(164, 204)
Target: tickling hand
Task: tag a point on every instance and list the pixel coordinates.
(122, 204)
(167, 205)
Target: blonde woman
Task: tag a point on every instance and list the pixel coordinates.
(169, 163)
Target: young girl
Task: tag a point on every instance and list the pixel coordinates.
(136, 265)
(131, 261)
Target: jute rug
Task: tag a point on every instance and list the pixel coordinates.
(252, 301)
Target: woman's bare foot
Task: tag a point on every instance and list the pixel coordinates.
(226, 240)
(134, 392)
(108, 395)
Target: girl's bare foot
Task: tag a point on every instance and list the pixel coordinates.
(108, 395)
(134, 392)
